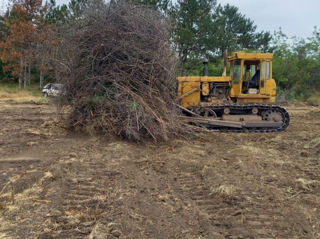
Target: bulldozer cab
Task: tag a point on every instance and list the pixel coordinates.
(251, 77)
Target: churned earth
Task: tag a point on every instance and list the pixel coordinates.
(58, 184)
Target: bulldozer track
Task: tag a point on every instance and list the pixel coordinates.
(85, 191)
(80, 201)
(246, 107)
(228, 214)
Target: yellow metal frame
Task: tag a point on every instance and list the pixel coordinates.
(250, 56)
(189, 83)
(267, 92)
(190, 88)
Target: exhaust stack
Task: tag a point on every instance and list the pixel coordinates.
(205, 66)
(225, 58)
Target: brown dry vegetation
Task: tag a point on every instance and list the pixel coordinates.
(118, 71)
(57, 184)
(21, 97)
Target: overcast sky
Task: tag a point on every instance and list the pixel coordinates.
(295, 17)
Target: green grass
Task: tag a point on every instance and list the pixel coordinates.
(9, 88)
(10, 91)
(14, 89)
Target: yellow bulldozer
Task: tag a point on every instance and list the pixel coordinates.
(241, 102)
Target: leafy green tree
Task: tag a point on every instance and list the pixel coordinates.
(296, 64)
(160, 5)
(76, 8)
(203, 28)
(193, 29)
(234, 31)
(57, 14)
(60, 14)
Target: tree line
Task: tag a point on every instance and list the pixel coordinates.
(29, 36)
(296, 65)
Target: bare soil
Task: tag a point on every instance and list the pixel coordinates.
(58, 184)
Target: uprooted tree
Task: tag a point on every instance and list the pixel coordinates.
(119, 72)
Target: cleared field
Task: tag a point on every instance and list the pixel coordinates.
(57, 184)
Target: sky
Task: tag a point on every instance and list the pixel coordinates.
(295, 17)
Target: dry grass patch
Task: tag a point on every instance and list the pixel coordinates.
(12, 93)
(314, 100)
(224, 190)
(21, 97)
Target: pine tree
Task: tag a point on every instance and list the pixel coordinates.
(193, 28)
(234, 31)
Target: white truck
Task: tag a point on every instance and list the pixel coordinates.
(52, 90)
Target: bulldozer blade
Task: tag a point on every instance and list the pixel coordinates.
(263, 124)
(213, 122)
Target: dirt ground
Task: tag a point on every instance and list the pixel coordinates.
(58, 184)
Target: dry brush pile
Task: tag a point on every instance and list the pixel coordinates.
(119, 72)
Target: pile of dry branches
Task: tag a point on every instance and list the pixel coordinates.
(119, 72)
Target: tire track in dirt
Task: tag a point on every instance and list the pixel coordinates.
(20, 126)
